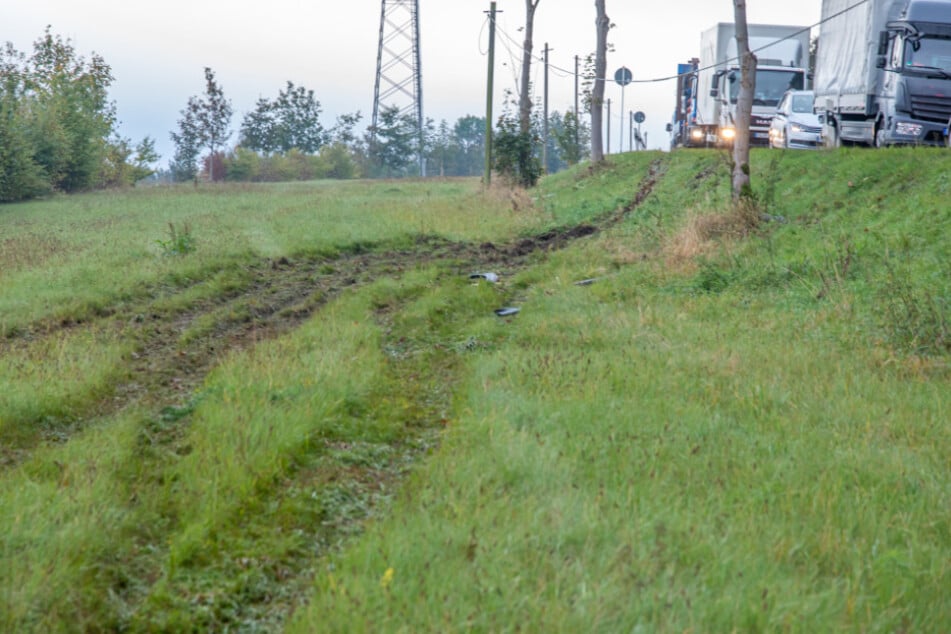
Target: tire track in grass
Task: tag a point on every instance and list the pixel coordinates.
(322, 499)
(277, 296)
(356, 487)
(176, 350)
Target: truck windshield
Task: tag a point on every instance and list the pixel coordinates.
(931, 53)
(771, 85)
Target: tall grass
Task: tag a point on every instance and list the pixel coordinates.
(75, 255)
(47, 383)
(654, 453)
(735, 436)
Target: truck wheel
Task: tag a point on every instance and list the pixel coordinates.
(879, 136)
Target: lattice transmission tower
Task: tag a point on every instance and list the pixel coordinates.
(399, 78)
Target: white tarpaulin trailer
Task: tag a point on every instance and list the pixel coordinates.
(883, 71)
(846, 75)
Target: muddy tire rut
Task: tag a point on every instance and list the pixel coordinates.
(165, 368)
(175, 351)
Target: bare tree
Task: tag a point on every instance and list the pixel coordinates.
(597, 95)
(744, 104)
(524, 98)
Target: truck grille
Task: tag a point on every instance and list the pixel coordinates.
(931, 108)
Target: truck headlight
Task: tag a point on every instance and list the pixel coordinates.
(696, 134)
(906, 128)
(728, 133)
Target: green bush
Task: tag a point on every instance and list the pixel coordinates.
(180, 241)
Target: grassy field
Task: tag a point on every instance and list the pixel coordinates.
(314, 421)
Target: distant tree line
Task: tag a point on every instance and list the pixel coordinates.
(58, 133)
(58, 127)
(283, 139)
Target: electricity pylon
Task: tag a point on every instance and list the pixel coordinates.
(399, 78)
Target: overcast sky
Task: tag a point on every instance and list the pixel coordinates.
(157, 51)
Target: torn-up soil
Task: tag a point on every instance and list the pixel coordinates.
(281, 293)
(174, 351)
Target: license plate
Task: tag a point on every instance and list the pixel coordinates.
(760, 135)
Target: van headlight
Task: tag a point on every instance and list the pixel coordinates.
(728, 133)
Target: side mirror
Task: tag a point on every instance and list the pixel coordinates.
(880, 61)
(670, 127)
(882, 43)
(714, 92)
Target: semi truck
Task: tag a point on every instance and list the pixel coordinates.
(782, 53)
(685, 111)
(883, 72)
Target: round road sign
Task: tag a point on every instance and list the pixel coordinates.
(639, 117)
(623, 76)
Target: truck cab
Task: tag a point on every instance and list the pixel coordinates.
(883, 72)
(772, 82)
(915, 98)
(780, 51)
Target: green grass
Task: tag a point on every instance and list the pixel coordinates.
(45, 384)
(721, 433)
(665, 466)
(75, 256)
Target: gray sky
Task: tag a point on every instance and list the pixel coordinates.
(157, 51)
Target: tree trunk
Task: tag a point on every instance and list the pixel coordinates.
(744, 104)
(525, 101)
(597, 94)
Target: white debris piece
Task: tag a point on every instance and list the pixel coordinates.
(489, 277)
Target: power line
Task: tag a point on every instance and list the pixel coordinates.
(791, 36)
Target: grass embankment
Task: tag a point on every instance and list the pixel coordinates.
(732, 427)
(75, 258)
(752, 438)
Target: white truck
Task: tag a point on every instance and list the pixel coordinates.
(782, 53)
(883, 72)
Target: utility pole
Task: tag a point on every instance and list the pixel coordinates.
(398, 69)
(577, 116)
(545, 121)
(487, 177)
(620, 133)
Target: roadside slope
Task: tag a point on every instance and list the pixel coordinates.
(732, 427)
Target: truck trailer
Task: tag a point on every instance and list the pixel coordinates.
(883, 72)
(782, 53)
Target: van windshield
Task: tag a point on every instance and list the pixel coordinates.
(802, 103)
(771, 85)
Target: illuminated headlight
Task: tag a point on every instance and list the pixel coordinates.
(696, 133)
(728, 133)
(908, 129)
(795, 128)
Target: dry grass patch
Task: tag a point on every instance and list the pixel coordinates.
(620, 251)
(517, 198)
(704, 232)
